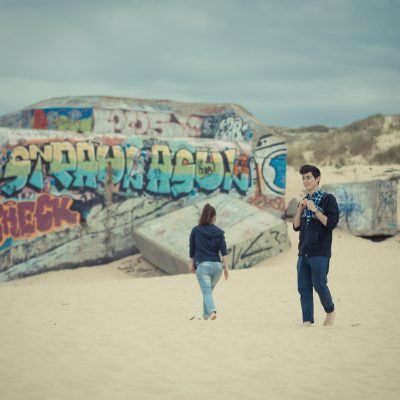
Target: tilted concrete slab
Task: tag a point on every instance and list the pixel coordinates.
(367, 208)
(252, 235)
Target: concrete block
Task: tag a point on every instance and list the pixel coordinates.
(252, 235)
(367, 208)
(291, 209)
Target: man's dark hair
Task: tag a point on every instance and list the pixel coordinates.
(305, 169)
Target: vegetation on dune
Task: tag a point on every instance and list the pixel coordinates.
(389, 156)
(357, 141)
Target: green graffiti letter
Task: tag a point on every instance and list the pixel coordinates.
(133, 169)
(209, 170)
(160, 170)
(18, 167)
(87, 165)
(64, 161)
(35, 153)
(183, 175)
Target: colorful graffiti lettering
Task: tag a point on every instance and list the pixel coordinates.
(156, 170)
(147, 123)
(171, 125)
(130, 122)
(233, 128)
(67, 119)
(27, 219)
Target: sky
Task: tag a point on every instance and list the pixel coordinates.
(290, 63)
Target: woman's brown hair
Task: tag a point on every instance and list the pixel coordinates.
(207, 215)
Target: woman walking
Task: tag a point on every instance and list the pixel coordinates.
(206, 243)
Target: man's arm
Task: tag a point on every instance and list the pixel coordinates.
(318, 214)
(331, 216)
(332, 212)
(321, 217)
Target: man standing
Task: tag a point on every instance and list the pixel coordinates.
(317, 215)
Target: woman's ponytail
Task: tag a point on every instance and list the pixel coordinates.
(207, 215)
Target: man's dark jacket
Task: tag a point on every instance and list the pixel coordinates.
(316, 239)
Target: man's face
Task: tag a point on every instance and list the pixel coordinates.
(310, 183)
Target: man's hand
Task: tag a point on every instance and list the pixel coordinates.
(302, 204)
(310, 205)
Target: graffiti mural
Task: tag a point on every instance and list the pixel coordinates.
(264, 245)
(226, 126)
(367, 208)
(270, 156)
(156, 169)
(145, 123)
(77, 175)
(51, 184)
(63, 119)
(27, 219)
(234, 129)
(387, 200)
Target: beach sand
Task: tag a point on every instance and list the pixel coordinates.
(103, 333)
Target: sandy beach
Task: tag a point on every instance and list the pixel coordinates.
(104, 333)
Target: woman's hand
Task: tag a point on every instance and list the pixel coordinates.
(192, 269)
(226, 273)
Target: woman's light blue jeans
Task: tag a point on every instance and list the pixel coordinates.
(208, 274)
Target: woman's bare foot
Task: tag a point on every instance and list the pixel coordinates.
(213, 315)
(330, 318)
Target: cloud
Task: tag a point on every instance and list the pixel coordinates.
(290, 63)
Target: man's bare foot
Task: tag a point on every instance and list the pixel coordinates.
(307, 323)
(330, 318)
(213, 315)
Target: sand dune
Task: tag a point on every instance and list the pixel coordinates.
(102, 333)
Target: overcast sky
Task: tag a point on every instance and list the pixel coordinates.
(291, 63)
